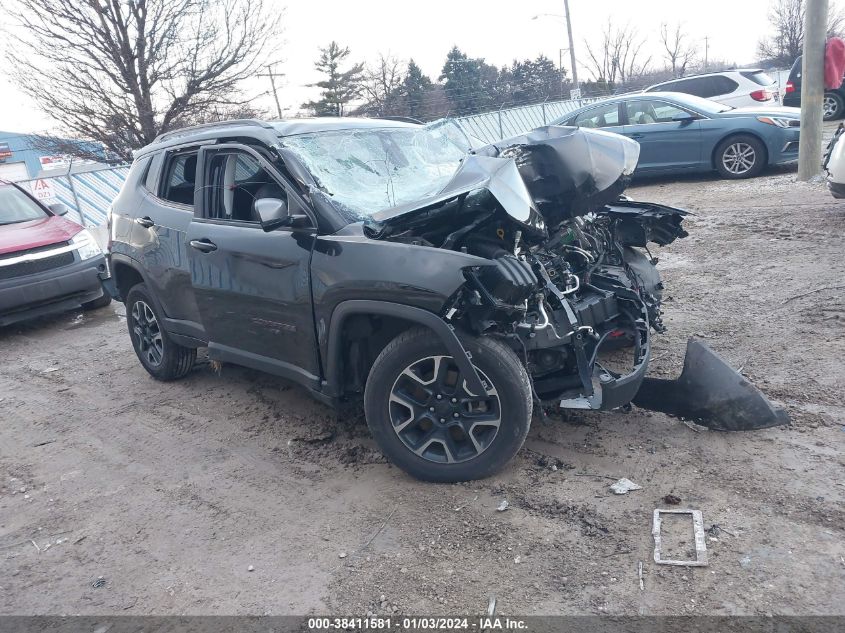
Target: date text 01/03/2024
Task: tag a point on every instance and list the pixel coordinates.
(415, 623)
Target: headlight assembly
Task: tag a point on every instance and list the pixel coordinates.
(775, 120)
(85, 244)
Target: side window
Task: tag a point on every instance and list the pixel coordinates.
(604, 116)
(699, 86)
(139, 170)
(723, 85)
(234, 182)
(671, 86)
(180, 175)
(151, 177)
(648, 111)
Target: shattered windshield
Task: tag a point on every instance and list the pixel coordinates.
(369, 170)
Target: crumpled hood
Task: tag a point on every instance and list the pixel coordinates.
(499, 176)
(540, 179)
(570, 171)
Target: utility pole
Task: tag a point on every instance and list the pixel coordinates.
(706, 51)
(272, 77)
(812, 89)
(560, 71)
(571, 45)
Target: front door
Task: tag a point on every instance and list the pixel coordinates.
(665, 144)
(252, 287)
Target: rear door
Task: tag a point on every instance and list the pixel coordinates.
(157, 234)
(665, 144)
(252, 287)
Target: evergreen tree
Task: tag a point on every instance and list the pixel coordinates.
(417, 87)
(470, 84)
(340, 86)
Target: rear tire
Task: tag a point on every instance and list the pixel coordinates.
(428, 424)
(160, 356)
(741, 156)
(833, 106)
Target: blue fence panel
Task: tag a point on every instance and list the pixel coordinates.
(87, 195)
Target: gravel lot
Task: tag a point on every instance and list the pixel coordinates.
(171, 492)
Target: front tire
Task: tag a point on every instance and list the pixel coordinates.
(96, 304)
(427, 422)
(159, 354)
(740, 156)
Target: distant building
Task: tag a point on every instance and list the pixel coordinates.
(27, 156)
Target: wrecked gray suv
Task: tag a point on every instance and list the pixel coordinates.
(452, 286)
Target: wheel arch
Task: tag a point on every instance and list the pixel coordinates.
(387, 320)
(733, 134)
(126, 274)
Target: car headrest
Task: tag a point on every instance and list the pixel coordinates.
(190, 170)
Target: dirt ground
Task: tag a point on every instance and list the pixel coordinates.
(170, 492)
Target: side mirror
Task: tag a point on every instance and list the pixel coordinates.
(273, 213)
(58, 208)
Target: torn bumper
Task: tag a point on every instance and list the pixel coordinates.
(712, 393)
(611, 392)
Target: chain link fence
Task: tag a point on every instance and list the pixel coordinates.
(87, 195)
(506, 122)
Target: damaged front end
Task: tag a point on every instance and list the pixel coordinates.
(569, 281)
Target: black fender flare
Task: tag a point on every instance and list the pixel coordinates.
(444, 331)
(121, 259)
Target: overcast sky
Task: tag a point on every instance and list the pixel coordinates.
(497, 30)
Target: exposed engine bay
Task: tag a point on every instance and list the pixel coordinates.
(562, 269)
(571, 284)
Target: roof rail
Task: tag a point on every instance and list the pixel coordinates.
(206, 126)
(402, 119)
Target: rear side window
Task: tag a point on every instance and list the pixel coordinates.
(652, 111)
(605, 116)
(795, 73)
(760, 78)
(150, 180)
(721, 85)
(705, 87)
(180, 175)
(670, 86)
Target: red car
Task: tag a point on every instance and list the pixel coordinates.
(47, 263)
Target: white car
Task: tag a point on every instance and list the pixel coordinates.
(736, 88)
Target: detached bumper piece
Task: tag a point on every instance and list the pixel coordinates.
(712, 393)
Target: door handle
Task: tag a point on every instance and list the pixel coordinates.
(636, 135)
(146, 221)
(204, 245)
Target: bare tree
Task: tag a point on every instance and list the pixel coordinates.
(120, 72)
(786, 41)
(384, 88)
(619, 56)
(678, 53)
